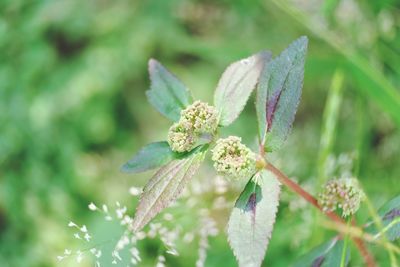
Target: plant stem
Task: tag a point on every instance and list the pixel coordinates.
(368, 258)
(344, 250)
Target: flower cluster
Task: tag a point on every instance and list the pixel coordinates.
(233, 159)
(344, 194)
(197, 119)
(180, 137)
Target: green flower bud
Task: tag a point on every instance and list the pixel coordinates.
(202, 117)
(343, 194)
(180, 137)
(233, 159)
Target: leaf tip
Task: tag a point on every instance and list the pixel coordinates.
(124, 168)
(153, 65)
(302, 42)
(265, 55)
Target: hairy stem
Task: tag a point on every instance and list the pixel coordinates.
(368, 258)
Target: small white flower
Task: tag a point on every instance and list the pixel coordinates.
(83, 229)
(127, 220)
(105, 208)
(115, 255)
(87, 237)
(72, 224)
(121, 212)
(79, 256)
(98, 254)
(77, 236)
(172, 251)
(135, 254)
(141, 235)
(92, 206)
(135, 191)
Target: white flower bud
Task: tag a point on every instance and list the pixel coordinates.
(233, 159)
(180, 137)
(197, 119)
(201, 117)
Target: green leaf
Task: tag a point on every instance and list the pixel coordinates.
(390, 214)
(149, 157)
(278, 94)
(252, 219)
(164, 187)
(236, 84)
(328, 254)
(167, 94)
(155, 155)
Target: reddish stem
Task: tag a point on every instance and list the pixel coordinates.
(368, 258)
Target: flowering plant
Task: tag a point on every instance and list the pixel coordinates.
(195, 130)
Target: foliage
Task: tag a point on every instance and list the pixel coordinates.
(326, 254)
(252, 220)
(278, 94)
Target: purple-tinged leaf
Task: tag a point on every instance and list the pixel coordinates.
(390, 214)
(328, 254)
(167, 94)
(252, 219)
(236, 84)
(278, 94)
(164, 187)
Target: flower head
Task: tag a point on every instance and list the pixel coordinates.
(197, 119)
(232, 158)
(181, 137)
(202, 117)
(344, 194)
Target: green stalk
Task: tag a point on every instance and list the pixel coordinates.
(329, 129)
(379, 224)
(330, 121)
(345, 242)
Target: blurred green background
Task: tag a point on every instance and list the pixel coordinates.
(73, 76)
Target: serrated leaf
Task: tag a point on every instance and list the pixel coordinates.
(236, 84)
(155, 155)
(328, 254)
(390, 214)
(149, 157)
(252, 219)
(167, 94)
(278, 94)
(164, 187)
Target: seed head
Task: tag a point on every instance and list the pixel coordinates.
(344, 194)
(181, 137)
(233, 159)
(202, 117)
